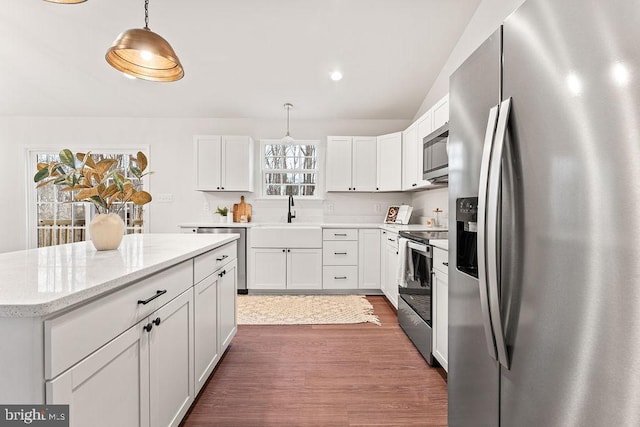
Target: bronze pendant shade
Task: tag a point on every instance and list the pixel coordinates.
(141, 53)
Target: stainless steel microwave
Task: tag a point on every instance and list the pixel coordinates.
(435, 164)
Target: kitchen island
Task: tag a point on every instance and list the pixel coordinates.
(107, 332)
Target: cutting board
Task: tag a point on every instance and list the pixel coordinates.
(240, 209)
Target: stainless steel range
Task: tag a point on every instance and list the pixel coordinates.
(415, 288)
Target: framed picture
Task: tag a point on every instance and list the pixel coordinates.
(392, 215)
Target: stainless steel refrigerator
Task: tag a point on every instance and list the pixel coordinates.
(545, 133)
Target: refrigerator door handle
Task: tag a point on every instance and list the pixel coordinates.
(495, 172)
(482, 206)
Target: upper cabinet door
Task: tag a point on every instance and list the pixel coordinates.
(338, 168)
(411, 150)
(440, 112)
(224, 163)
(364, 163)
(237, 167)
(390, 162)
(208, 152)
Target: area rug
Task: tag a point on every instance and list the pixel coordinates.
(304, 310)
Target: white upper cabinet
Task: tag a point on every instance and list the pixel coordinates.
(440, 112)
(351, 163)
(339, 163)
(390, 162)
(412, 143)
(224, 163)
(410, 158)
(364, 174)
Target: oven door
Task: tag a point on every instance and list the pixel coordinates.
(417, 292)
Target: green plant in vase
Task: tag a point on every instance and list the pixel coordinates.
(101, 183)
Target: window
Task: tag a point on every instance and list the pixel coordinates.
(290, 169)
(55, 218)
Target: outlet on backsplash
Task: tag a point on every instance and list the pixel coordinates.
(206, 207)
(377, 208)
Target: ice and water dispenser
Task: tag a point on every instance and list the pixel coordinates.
(467, 235)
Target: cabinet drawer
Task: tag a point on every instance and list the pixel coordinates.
(340, 277)
(441, 260)
(76, 334)
(205, 264)
(391, 238)
(340, 253)
(339, 234)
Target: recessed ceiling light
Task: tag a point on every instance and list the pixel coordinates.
(336, 76)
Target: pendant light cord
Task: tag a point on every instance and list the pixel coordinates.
(146, 14)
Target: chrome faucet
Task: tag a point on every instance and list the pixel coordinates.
(289, 215)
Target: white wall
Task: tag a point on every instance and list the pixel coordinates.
(487, 18)
(170, 142)
(425, 202)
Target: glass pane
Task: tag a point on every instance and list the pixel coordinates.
(46, 193)
(273, 190)
(63, 214)
(45, 213)
(78, 211)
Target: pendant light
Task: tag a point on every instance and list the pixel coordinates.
(287, 139)
(141, 53)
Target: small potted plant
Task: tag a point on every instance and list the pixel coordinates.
(102, 183)
(223, 212)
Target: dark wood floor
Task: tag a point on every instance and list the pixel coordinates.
(323, 375)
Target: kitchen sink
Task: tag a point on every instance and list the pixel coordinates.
(286, 235)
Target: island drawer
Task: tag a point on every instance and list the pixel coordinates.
(74, 335)
(207, 263)
(340, 277)
(339, 234)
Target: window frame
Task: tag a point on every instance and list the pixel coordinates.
(319, 190)
(31, 196)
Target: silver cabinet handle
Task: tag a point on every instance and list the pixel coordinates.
(340, 234)
(339, 277)
(482, 220)
(339, 253)
(495, 172)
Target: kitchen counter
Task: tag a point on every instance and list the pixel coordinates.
(39, 282)
(440, 243)
(388, 227)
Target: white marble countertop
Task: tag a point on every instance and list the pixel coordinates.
(39, 282)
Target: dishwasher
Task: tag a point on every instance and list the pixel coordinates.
(242, 251)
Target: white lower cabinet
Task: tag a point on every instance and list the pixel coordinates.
(441, 307)
(286, 268)
(389, 266)
(205, 295)
(148, 375)
(110, 387)
(143, 377)
(171, 361)
(215, 319)
(369, 259)
(227, 313)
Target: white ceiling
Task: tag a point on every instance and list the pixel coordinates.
(242, 58)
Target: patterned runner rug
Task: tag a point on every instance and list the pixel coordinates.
(304, 310)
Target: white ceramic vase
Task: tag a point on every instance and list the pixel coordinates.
(106, 231)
